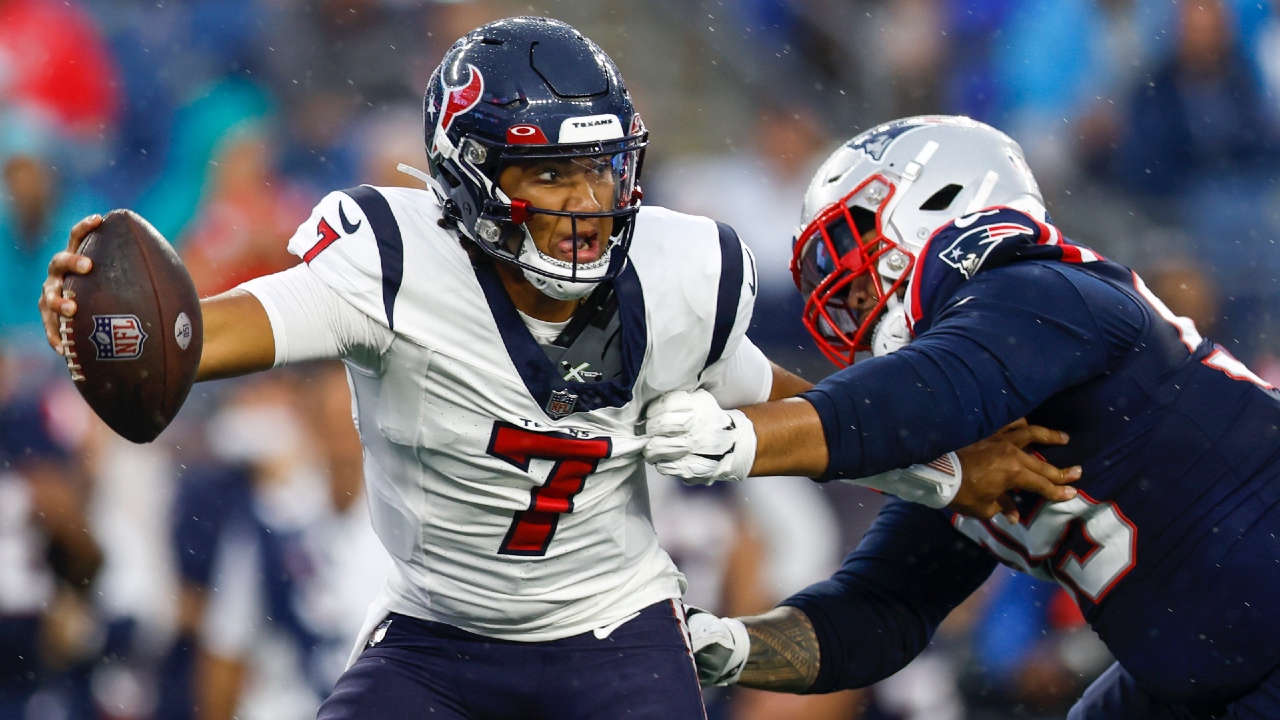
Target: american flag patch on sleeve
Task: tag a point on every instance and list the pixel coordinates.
(943, 465)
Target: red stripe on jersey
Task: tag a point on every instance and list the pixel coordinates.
(915, 312)
(325, 236)
(1071, 253)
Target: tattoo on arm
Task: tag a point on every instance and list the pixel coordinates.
(784, 652)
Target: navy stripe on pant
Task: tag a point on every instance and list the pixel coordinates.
(422, 669)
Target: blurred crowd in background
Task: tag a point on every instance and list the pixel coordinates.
(223, 570)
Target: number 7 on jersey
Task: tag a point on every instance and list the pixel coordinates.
(575, 458)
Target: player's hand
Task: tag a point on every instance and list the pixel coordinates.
(993, 467)
(720, 646)
(692, 438)
(53, 306)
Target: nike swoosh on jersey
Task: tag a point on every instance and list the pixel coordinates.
(347, 226)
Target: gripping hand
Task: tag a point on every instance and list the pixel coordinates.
(720, 646)
(692, 438)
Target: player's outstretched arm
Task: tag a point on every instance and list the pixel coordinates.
(237, 336)
(784, 655)
(790, 441)
(777, 650)
(695, 439)
(237, 332)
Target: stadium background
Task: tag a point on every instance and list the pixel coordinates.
(217, 572)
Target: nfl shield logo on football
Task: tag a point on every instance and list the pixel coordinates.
(118, 337)
(561, 404)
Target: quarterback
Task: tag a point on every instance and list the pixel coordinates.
(503, 329)
(930, 233)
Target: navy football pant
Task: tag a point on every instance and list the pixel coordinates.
(434, 671)
(1116, 696)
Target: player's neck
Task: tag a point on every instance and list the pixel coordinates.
(530, 300)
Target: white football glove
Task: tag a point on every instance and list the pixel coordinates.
(692, 438)
(720, 646)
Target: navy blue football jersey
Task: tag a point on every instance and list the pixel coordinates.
(1169, 549)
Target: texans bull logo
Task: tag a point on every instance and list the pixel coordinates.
(461, 98)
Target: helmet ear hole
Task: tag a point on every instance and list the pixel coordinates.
(942, 199)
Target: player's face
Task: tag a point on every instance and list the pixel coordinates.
(862, 296)
(581, 185)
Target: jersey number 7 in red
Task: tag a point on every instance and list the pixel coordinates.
(575, 458)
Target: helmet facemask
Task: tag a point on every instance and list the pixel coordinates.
(842, 249)
(608, 179)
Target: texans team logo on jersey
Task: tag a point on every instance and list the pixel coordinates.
(967, 252)
(461, 98)
(118, 337)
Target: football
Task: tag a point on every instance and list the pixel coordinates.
(134, 344)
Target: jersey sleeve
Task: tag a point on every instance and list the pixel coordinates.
(743, 378)
(735, 300)
(879, 610)
(310, 321)
(993, 354)
(352, 243)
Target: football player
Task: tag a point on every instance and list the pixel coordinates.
(927, 240)
(502, 330)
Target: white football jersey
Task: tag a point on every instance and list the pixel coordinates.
(513, 500)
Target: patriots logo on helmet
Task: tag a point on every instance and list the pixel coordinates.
(967, 252)
(461, 98)
(878, 139)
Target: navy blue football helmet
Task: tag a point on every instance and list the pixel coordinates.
(532, 88)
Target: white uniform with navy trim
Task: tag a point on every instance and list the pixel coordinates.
(506, 516)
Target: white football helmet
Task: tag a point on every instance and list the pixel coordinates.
(874, 204)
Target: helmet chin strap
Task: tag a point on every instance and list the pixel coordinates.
(556, 288)
(891, 332)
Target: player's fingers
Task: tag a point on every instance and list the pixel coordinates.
(81, 230)
(670, 414)
(661, 449)
(63, 263)
(52, 297)
(1045, 436)
(1048, 481)
(1048, 471)
(53, 302)
(1008, 508)
(667, 423)
(51, 333)
(1029, 434)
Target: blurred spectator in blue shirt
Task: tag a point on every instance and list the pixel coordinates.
(1201, 112)
(1201, 144)
(39, 202)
